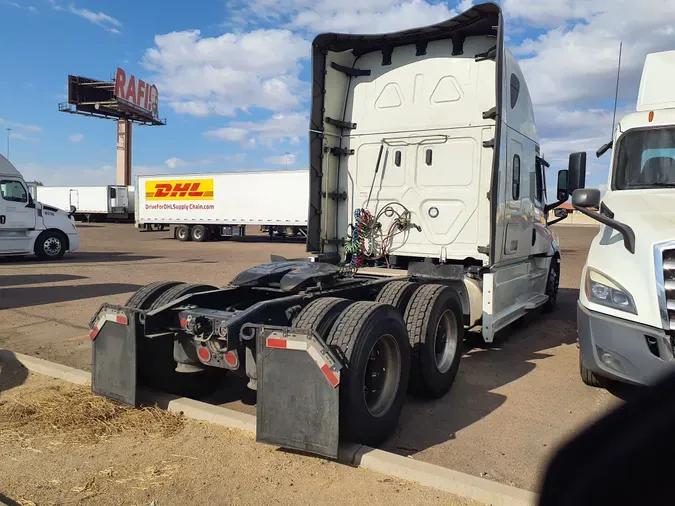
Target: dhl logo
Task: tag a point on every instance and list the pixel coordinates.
(192, 189)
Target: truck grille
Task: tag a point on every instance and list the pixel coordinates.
(667, 255)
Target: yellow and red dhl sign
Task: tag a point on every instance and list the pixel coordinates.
(187, 189)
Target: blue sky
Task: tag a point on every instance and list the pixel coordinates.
(233, 75)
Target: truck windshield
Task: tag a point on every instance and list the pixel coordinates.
(646, 159)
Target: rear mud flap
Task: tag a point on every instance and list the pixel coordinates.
(113, 334)
(298, 401)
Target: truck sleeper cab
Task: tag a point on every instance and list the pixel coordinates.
(28, 227)
(427, 215)
(626, 307)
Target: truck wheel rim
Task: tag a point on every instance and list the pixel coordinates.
(181, 233)
(382, 375)
(52, 246)
(445, 341)
(198, 234)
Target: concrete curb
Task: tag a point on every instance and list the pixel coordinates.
(430, 475)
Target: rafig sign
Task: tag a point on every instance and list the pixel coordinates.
(136, 93)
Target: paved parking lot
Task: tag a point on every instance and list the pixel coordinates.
(511, 405)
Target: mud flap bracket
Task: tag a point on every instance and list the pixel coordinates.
(298, 376)
(113, 335)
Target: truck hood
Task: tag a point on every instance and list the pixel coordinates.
(650, 213)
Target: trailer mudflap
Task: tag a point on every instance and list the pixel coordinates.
(113, 335)
(298, 378)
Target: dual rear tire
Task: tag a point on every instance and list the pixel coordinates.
(409, 339)
(156, 367)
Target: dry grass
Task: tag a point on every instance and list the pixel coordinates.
(72, 414)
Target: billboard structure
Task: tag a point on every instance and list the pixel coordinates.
(125, 99)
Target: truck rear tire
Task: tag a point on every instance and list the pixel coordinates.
(156, 367)
(200, 233)
(144, 297)
(183, 233)
(397, 294)
(50, 245)
(434, 319)
(320, 315)
(372, 340)
(179, 290)
(590, 378)
(552, 285)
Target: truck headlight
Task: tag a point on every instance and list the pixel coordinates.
(607, 292)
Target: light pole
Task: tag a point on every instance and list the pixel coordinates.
(287, 155)
(8, 130)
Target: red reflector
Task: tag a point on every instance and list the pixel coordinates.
(230, 358)
(330, 375)
(204, 354)
(183, 322)
(93, 333)
(122, 319)
(276, 343)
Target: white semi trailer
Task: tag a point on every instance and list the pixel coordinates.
(204, 207)
(90, 203)
(427, 215)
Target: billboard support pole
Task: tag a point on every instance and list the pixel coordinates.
(124, 152)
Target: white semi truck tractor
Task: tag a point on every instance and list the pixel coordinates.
(28, 227)
(626, 308)
(427, 216)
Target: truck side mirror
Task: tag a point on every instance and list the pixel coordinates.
(560, 213)
(577, 172)
(586, 197)
(563, 193)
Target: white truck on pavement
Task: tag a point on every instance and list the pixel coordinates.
(212, 206)
(90, 203)
(27, 226)
(626, 308)
(428, 214)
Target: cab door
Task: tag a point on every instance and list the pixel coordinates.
(17, 217)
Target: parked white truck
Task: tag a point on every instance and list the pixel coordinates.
(427, 216)
(204, 207)
(626, 308)
(90, 203)
(30, 227)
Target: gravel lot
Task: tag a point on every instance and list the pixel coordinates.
(511, 405)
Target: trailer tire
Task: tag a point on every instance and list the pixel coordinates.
(372, 341)
(320, 315)
(397, 294)
(434, 319)
(51, 245)
(183, 233)
(200, 233)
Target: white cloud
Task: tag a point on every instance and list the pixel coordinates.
(105, 21)
(577, 61)
(287, 159)
(177, 163)
(290, 127)
(20, 126)
(221, 75)
(21, 137)
(76, 137)
(173, 163)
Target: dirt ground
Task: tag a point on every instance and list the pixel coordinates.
(86, 450)
(511, 405)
